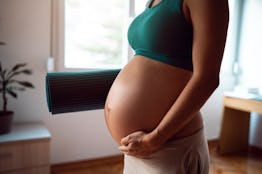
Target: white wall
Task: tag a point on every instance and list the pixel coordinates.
(25, 26)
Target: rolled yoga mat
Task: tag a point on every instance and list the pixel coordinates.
(78, 91)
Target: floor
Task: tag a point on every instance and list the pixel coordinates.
(240, 163)
(237, 163)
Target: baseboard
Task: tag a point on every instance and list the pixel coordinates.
(213, 142)
(57, 168)
(254, 150)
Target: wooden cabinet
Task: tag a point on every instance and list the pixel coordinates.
(234, 133)
(25, 150)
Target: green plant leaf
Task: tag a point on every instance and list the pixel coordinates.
(3, 74)
(10, 92)
(27, 71)
(11, 81)
(11, 74)
(25, 84)
(14, 88)
(20, 65)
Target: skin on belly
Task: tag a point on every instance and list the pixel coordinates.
(141, 95)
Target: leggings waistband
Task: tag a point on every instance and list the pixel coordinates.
(188, 140)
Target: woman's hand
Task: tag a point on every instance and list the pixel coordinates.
(139, 144)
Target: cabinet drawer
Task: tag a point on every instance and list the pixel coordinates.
(36, 170)
(23, 155)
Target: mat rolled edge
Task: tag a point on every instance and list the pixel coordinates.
(78, 91)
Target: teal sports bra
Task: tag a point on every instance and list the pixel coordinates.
(162, 33)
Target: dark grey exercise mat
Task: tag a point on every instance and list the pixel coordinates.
(78, 91)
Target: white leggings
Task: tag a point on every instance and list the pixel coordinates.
(188, 155)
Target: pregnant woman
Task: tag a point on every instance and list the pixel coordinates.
(152, 109)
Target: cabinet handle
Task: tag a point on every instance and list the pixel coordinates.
(6, 154)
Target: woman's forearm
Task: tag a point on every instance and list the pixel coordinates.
(192, 98)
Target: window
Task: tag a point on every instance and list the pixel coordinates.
(228, 75)
(93, 33)
(250, 62)
(242, 56)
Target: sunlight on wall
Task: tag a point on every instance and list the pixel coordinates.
(250, 47)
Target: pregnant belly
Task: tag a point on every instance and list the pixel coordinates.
(141, 95)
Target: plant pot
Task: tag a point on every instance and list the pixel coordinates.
(6, 121)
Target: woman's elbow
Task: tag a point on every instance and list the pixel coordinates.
(215, 83)
(209, 81)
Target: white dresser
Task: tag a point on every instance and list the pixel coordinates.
(25, 150)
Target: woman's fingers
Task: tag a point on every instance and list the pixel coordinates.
(133, 137)
(125, 140)
(134, 145)
(133, 151)
(128, 150)
(124, 149)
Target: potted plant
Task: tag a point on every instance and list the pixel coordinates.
(9, 86)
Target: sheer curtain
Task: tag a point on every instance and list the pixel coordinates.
(250, 55)
(250, 59)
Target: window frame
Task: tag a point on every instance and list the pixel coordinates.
(57, 40)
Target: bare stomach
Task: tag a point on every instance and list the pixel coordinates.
(142, 94)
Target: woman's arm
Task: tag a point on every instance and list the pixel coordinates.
(210, 22)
